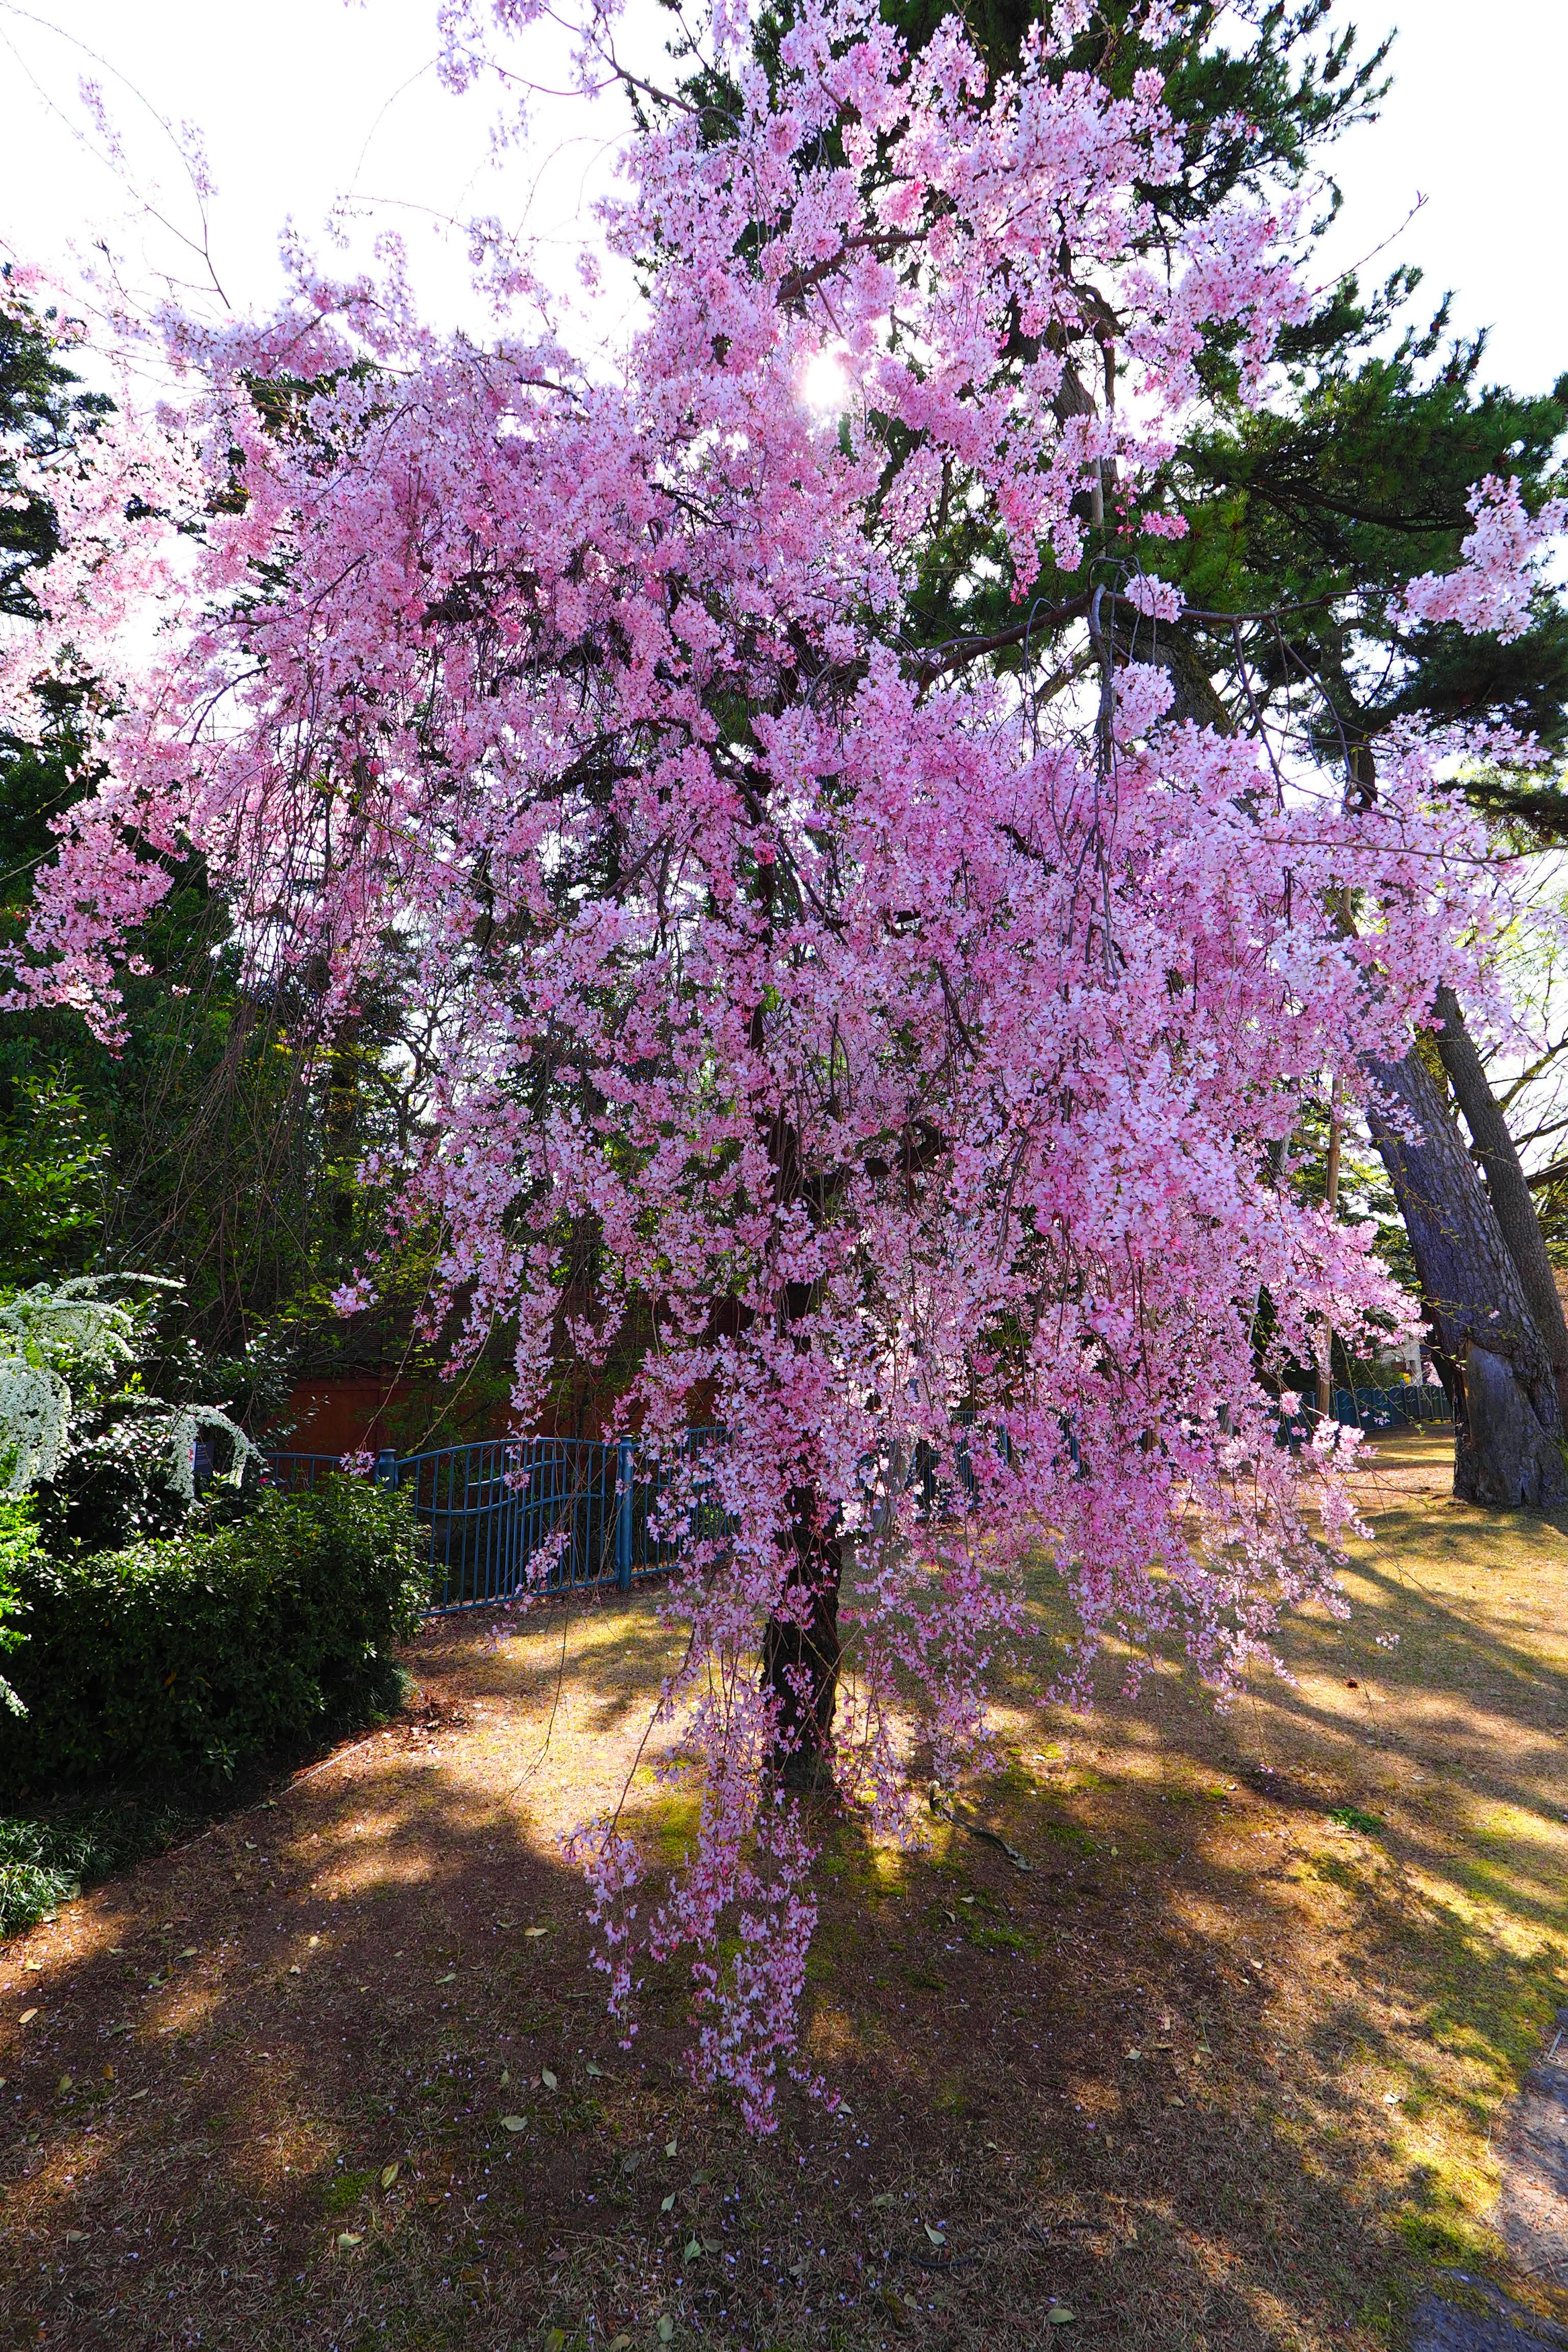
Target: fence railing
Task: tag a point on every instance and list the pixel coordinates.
(599, 1509)
(489, 1510)
(1395, 1408)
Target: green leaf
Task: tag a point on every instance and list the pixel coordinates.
(1351, 1817)
(669, 2204)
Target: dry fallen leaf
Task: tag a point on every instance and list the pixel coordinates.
(1059, 2315)
(388, 2175)
(620, 2344)
(532, 1932)
(28, 2015)
(351, 2237)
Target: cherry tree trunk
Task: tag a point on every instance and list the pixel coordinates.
(801, 1652)
(1509, 1426)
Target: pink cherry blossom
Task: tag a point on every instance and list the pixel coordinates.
(924, 1070)
(1492, 587)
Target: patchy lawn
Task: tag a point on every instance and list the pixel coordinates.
(1221, 2071)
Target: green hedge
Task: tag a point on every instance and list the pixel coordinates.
(18, 1546)
(195, 1658)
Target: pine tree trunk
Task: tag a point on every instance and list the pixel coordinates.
(1509, 1196)
(1509, 1425)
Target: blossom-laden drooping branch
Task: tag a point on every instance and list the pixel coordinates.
(926, 1072)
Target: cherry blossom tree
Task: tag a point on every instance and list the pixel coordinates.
(924, 1052)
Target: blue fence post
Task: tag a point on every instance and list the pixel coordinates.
(386, 1467)
(625, 1449)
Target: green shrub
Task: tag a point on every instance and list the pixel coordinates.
(193, 1659)
(18, 1545)
(47, 1859)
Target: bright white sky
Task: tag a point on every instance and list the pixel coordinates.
(303, 101)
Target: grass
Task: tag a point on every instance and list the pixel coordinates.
(1222, 2071)
(45, 1859)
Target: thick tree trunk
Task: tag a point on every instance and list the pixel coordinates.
(801, 1653)
(1509, 1195)
(1509, 1425)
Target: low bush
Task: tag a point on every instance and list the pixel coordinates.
(48, 1858)
(193, 1659)
(18, 1545)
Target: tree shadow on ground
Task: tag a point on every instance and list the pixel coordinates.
(1144, 2081)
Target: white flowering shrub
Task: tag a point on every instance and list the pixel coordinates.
(54, 1334)
(45, 1332)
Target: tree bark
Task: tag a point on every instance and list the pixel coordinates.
(801, 1652)
(1509, 1425)
(1509, 1195)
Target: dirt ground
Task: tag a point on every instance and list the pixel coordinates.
(1223, 2069)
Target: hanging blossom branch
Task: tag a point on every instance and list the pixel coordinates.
(920, 1077)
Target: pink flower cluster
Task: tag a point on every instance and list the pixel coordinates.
(1496, 575)
(929, 1075)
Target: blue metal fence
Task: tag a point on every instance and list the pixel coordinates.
(489, 1510)
(601, 1510)
(1398, 1408)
